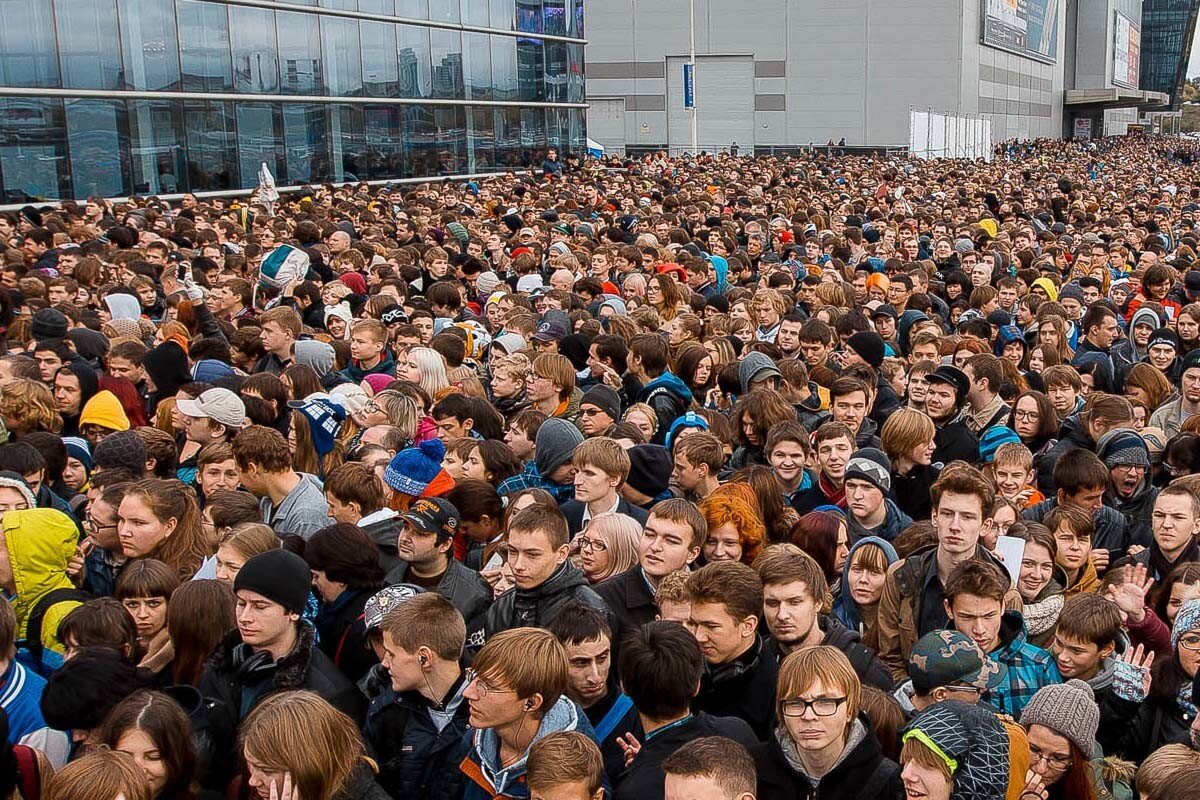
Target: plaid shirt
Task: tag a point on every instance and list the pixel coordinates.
(1029, 668)
(532, 479)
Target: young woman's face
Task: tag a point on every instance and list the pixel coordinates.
(1037, 567)
(74, 474)
(643, 423)
(1180, 593)
(1036, 360)
(866, 586)
(141, 532)
(149, 614)
(473, 466)
(147, 756)
(723, 544)
(229, 564)
(453, 465)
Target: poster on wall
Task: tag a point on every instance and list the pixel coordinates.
(1025, 27)
(1083, 127)
(1127, 52)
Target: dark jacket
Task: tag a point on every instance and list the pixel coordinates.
(911, 490)
(862, 773)
(669, 397)
(1160, 719)
(1136, 511)
(573, 511)
(415, 758)
(383, 533)
(342, 633)
(630, 600)
(644, 778)
(955, 442)
(870, 669)
(239, 678)
(886, 400)
(463, 587)
(1071, 435)
(1110, 533)
(534, 608)
(612, 718)
(743, 688)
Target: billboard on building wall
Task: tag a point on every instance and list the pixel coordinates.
(1025, 27)
(1127, 51)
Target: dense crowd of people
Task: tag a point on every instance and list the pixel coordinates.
(818, 476)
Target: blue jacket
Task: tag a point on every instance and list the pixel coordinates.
(485, 780)
(1029, 668)
(895, 521)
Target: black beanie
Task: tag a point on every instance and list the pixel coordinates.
(869, 346)
(649, 469)
(278, 575)
(49, 323)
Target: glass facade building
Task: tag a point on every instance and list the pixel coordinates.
(119, 97)
(1167, 30)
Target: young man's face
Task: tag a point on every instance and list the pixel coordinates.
(274, 338)
(493, 703)
(850, 409)
(814, 353)
(666, 546)
(532, 558)
(48, 364)
(417, 546)
(960, 521)
(788, 459)
(1076, 658)
(721, 636)
(790, 611)
(588, 665)
(1088, 498)
(1063, 398)
(918, 387)
(342, 512)
(687, 475)
(1073, 549)
(124, 368)
(68, 397)
(262, 622)
(451, 428)
(519, 442)
(365, 347)
(862, 498)
(1174, 523)
(1011, 479)
(977, 617)
(403, 667)
(940, 401)
(218, 477)
(833, 455)
(593, 483)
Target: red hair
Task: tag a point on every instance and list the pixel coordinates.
(131, 401)
(816, 534)
(728, 504)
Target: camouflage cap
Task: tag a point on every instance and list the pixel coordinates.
(943, 658)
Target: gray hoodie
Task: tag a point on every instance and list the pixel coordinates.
(302, 513)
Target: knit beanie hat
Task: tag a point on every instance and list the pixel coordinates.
(509, 343)
(1069, 709)
(873, 466)
(991, 440)
(209, 370)
(118, 328)
(315, 354)
(121, 449)
(378, 382)
(1191, 361)
(1186, 621)
(649, 469)
(869, 346)
(49, 323)
(413, 469)
(350, 396)
(971, 737)
(556, 440)
(1123, 447)
(604, 398)
(325, 417)
(1163, 336)
(683, 422)
(104, 410)
(11, 480)
(1046, 286)
(486, 283)
(280, 575)
(77, 448)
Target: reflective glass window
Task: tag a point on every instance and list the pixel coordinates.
(475, 12)
(384, 129)
(420, 141)
(555, 14)
(529, 16)
(481, 139)
(300, 68)
(477, 66)
(503, 14)
(28, 51)
(344, 5)
(444, 10)
(33, 149)
(380, 66)
(416, 71)
(531, 70)
(533, 135)
(451, 123)
(259, 139)
(347, 143)
(575, 73)
(556, 72)
(342, 58)
(156, 146)
(204, 46)
(412, 9)
(575, 18)
(306, 138)
(212, 146)
(255, 63)
(377, 6)
(508, 137)
(149, 45)
(98, 135)
(504, 68)
(576, 133)
(89, 49)
(556, 129)
(446, 51)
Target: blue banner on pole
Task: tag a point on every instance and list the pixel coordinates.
(689, 88)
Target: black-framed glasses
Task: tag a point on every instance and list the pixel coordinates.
(821, 707)
(592, 545)
(1052, 759)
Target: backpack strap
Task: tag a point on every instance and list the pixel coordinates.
(33, 628)
(615, 714)
(29, 773)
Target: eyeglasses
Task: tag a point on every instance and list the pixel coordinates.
(1129, 468)
(95, 525)
(590, 412)
(1031, 415)
(821, 707)
(484, 688)
(1190, 641)
(591, 545)
(1052, 759)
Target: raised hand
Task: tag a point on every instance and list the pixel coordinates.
(1130, 596)
(1141, 659)
(630, 746)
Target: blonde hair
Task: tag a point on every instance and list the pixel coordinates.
(100, 775)
(29, 406)
(301, 733)
(432, 367)
(250, 539)
(804, 667)
(528, 661)
(905, 431)
(559, 369)
(621, 535)
(673, 588)
(1162, 764)
(517, 365)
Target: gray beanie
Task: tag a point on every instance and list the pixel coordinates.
(1069, 709)
(316, 354)
(872, 466)
(756, 366)
(556, 440)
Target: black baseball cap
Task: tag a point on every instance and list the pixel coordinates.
(433, 515)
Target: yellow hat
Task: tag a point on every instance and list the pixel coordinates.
(1047, 286)
(989, 225)
(104, 410)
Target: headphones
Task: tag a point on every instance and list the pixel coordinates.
(529, 705)
(424, 662)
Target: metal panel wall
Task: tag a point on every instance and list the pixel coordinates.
(724, 103)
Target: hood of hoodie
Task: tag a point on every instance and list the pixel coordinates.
(563, 716)
(1149, 316)
(40, 543)
(1012, 635)
(672, 383)
(844, 607)
(895, 521)
(791, 754)
(972, 736)
(123, 306)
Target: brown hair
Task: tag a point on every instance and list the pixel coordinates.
(355, 482)
(785, 563)
(976, 579)
(164, 722)
(1090, 618)
(828, 665)
(100, 622)
(186, 548)
(963, 479)
(263, 446)
(200, 614)
(547, 519)
(100, 775)
(146, 577)
(685, 512)
(731, 584)
(527, 660)
(561, 758)
(427, 619)
(726, 762)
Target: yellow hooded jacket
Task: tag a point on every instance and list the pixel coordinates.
(40, 543)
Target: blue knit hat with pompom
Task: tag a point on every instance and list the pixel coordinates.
(413, 469)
